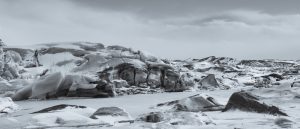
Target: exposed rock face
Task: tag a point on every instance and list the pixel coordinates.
(152, 75)
(109, 111)
(209, 82)
(195, 103)
(244, 101)
(57, 107)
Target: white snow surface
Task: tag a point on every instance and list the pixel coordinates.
(7, 106)
(137, 105)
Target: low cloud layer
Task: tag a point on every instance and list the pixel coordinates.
(169, 29)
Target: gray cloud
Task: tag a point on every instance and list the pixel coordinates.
(167, 28)
(169, 8)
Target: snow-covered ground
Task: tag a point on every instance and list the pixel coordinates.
(137, 105)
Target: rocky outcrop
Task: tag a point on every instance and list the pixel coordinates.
(245, 101)
(153, 75)
(194, 103)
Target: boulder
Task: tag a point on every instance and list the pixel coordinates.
(209, 82)
(245, 101)
(173, 82)
(194, 103)
(109, 111)
(112, 115)
(153, 117)
(57, 107)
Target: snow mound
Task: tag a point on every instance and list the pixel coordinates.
(7, 105)
(74, 116)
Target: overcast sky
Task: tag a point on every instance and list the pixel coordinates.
(178, 29)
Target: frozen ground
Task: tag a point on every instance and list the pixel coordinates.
(136, 105)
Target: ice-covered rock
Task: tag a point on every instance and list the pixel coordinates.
(245, 101)
(111, 115)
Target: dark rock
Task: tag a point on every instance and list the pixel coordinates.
(153, 117)
(245, 101)
(194, 103)
(109, 111)
(173, 82)
(209, 82)
(57, 107)
(88, 92)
